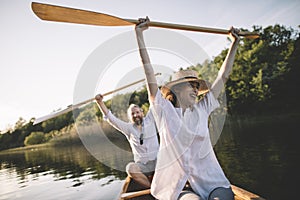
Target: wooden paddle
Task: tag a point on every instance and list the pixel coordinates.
(241, 194)
(130, 195)
(71, 15)
(71, 107)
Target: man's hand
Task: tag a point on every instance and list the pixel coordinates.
(99, 98)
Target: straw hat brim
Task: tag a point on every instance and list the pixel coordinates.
(204, 88)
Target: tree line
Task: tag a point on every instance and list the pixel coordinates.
(264, 80)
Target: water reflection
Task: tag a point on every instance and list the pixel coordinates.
(261, 155)
(41, 171)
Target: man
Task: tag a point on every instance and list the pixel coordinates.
(142, 136)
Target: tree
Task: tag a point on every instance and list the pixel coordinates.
(35, 138)
(290, 86)
(259, 70)
(87, 114)
(19, 123)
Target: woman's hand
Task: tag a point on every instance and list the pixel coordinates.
(234, 35)
(142, 25)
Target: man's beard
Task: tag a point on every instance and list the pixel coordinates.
(138, 121)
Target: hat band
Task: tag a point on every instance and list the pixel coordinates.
(187, 77)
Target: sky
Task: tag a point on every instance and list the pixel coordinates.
(40, 61)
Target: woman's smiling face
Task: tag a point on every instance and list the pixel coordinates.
(186, 93)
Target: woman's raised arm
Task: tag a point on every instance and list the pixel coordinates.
(226, 67)
(149, 71)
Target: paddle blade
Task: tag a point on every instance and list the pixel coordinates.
(77, 16)
(249, 35)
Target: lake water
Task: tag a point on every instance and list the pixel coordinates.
(261, 156)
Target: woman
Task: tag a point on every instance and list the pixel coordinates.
(186, 153)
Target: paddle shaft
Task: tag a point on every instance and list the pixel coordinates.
(72, 15)
(195, 28)
(71, 107)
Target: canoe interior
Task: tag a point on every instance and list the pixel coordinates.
(131, 186)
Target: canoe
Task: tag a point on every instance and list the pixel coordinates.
(133, 191)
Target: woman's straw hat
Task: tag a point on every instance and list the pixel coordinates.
(184, 76)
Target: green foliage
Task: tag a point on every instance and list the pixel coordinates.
(87, 114)
(20, 123)
(258, 88)
(15, 137)
(35, 138)
(259, 70)
(140, 98)
(58, 122)
(119, 104)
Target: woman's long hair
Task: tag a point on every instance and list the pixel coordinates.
(171, 96)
